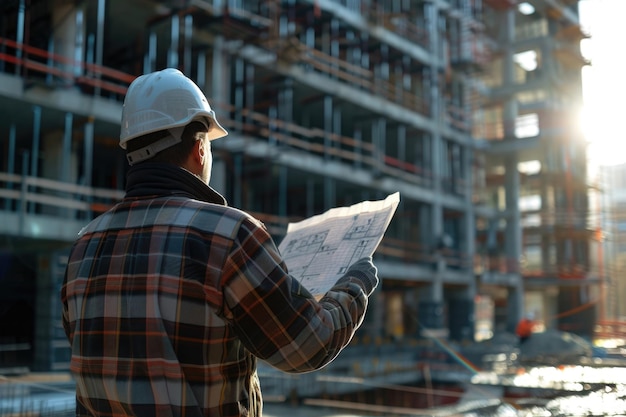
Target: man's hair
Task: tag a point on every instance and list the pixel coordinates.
(176, 154)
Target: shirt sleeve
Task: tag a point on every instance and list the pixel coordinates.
(276, 318)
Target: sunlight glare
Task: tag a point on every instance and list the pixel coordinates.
(603, 81)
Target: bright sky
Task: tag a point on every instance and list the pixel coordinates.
(604, 82)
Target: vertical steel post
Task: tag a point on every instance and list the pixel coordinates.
(239, 93)
(402, 143)
(88, 151)
(150, 57)
(88, 159)
(249, 99)
(282, 191)
(79, 43)
(90, 55)
(21, 16)
(238, 170)
(100, 31)
(328, 119)
(66, 153)
(358, 137)
(36, 138)
(23, 204)
(99, 40)
(11, 155)
(172, 56)
(10, 162)
(50, 61)
(329, 193)
(201, 71)
(310, 197)
(35, 149)
(188, 33)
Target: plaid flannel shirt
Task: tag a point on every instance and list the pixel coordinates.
(168, 301)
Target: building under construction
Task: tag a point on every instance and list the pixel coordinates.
(466, 107)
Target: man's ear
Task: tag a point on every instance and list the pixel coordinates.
(194, 159)
(198, 152)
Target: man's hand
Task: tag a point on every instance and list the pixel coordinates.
(366, 271)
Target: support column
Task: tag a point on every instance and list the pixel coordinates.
(513, 232)
(239, 90)
(282, 191)
(330, 197)
(60, 162)
(238, 171)
(437, 232)
(328, 126)
(172, 53)
(149, 59)
(187, 36)
(219, 95)
(21, 16)
(51, 348)
(249, 96)
(88, 159)
(379, 130)
(513, 241)
(34, 163)
(310, 197)
(11, 163)
(69, 38)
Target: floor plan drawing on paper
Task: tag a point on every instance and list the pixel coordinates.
(319, 250)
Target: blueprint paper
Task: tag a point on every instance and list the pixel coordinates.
(319, 250)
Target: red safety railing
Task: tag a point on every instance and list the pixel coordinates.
(29, 59)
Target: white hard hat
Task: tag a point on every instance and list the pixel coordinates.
(165, 100)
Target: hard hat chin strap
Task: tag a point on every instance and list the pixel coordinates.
(149, 151)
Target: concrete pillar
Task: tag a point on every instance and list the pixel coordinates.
(172, 53)
(436, 224)
(513, 243)
(68, 21)
(310, 197)
(34, 164)
(461, 318)
(435, 302)
(249, 99)
(328, 126)
(149, 60)
(330, 193)
(468, 246)
(513, 232)
(21, 16)
(375, 315)
(10, 163)
(220, 77)
(51, 349)
(187, 43)
(282, 191)
(515, 305)
(238, 171)
(239, 90)
(59, 163)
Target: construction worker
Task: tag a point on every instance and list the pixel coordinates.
(525, 327)
(170, 297)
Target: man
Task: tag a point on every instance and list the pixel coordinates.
(170, 297)
(525, 327)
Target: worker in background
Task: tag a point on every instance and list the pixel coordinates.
(171, 296)
(525, 327)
